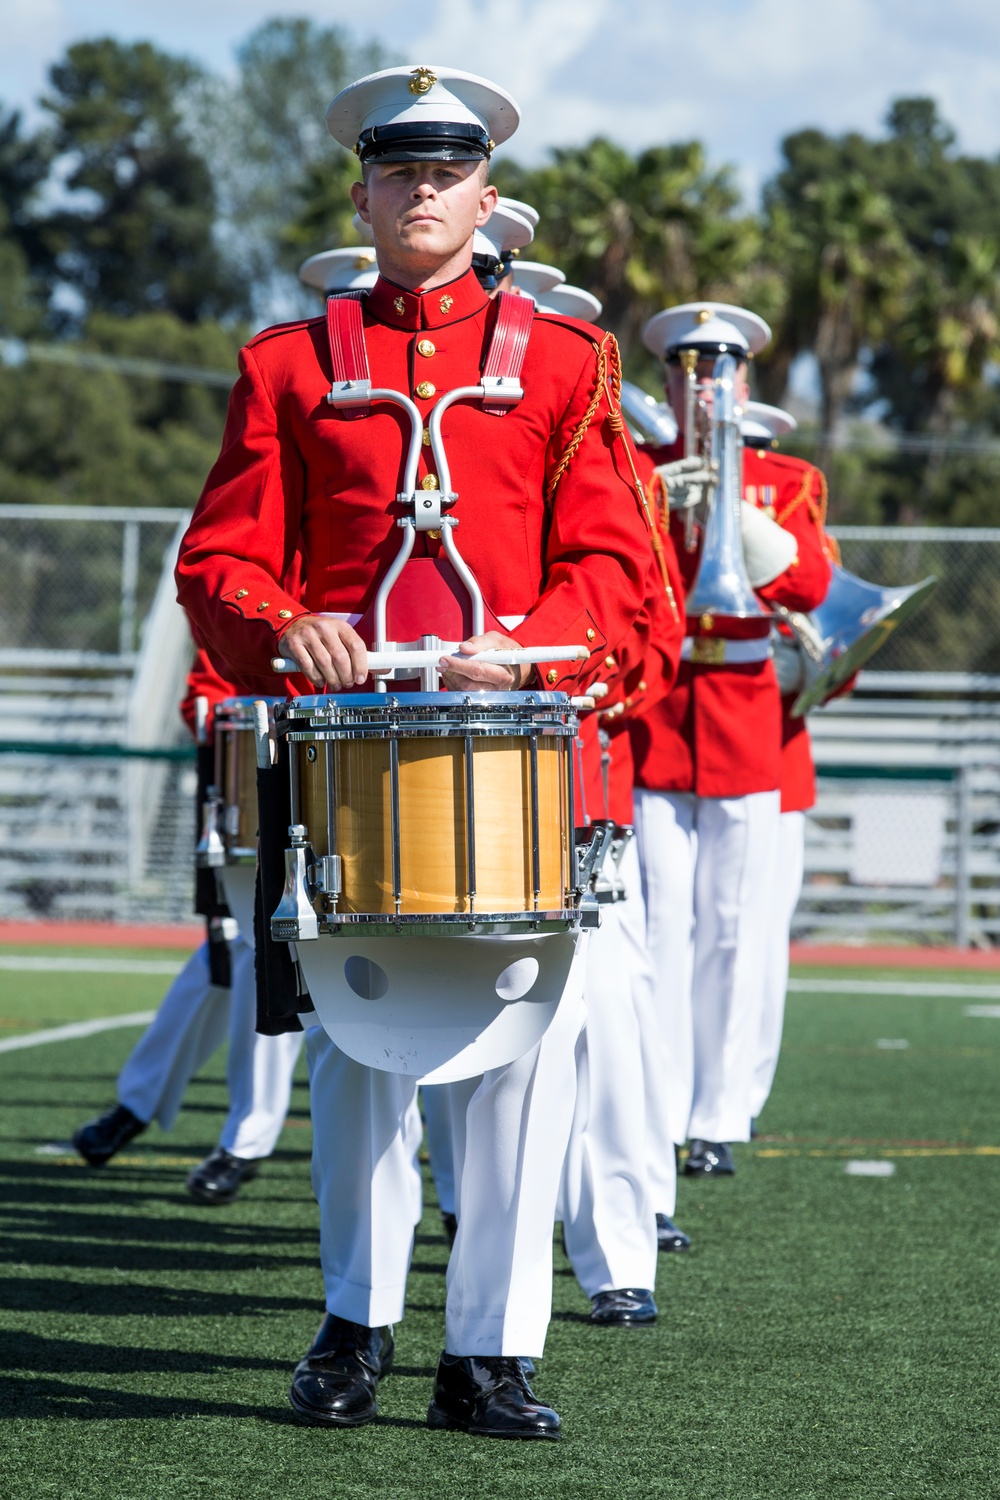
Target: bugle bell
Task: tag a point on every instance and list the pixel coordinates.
(832, 642)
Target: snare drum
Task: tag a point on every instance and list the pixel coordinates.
(433, 812)
(236, 778)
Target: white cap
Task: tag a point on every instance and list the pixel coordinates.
(340, 270)
(534, 278)
(709, 327)
(422, 114)
(762, 423)
(506, 229)
(362, 230)
(570, 302)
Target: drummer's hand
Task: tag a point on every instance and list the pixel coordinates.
(327, 651)
(477, 677)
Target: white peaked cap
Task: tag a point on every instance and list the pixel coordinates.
(362, 230)
(534, 278)
(505, 229)
(340, 270)
(762, 423)
(571, 302)
(423, 97)
(710, 327)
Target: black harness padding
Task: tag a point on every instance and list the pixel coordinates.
(281, 990)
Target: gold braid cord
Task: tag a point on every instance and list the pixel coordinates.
(608, 382)
(817, 509)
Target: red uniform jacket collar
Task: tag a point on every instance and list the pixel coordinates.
(439, 308)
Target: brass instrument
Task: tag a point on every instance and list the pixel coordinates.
(650, 421)
(722, 587)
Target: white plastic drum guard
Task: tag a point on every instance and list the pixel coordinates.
(440, 1009)
(239, 883)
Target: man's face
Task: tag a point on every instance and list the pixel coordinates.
(704, 380)
(424, 212)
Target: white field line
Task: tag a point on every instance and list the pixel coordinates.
(77, 1029)
(31, 964)
(800, 986)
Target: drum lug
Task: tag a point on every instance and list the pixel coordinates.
(590, 854)
(210, 852)
(294, 919)
(325, 876)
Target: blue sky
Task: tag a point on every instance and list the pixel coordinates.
(737, 73)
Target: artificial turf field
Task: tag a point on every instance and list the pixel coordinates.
(828, 1335)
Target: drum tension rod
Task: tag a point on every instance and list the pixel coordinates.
(470, 827)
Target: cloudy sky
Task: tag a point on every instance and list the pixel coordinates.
(738, 74)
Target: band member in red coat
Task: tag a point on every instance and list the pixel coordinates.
(212, 998)
(708, 763)
(762, 427)
(554, 529)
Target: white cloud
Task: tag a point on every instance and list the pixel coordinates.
(739, 74)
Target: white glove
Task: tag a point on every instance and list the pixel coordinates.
(767, 547)
(686, 482)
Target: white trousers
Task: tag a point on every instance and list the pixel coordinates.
(607, 1209)
(707, 867)
(786, 889)
(437, 1105)
(191, 1023)
(510, 1129)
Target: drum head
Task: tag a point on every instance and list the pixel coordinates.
(438, 1009)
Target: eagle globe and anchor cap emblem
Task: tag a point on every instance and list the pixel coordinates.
(422, 80)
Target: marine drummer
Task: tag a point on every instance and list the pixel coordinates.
(555, 532)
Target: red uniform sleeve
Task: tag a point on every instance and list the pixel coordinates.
(800, 510)
(597, 546)
(244, 532)
(205, 680)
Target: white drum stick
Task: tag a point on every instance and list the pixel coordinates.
(385, 661)
(262, 735)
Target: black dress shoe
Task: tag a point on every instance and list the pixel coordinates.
(334, 1386)
(709, 1159)
(450, 1224)
(489, 1396)
(624, 1308)
(99, 1139)
(220, 1176)
(753, 1130)
(668, 1236)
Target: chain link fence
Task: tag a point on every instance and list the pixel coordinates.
(96, 793)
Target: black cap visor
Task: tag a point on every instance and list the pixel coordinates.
(708, 350)
(431, 140)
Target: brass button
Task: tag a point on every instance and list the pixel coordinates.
(429, 482)
(628, 702)
(706, 622)
(284, 614)
(610, 662)
(265, 605)
(642, 686)
(591, 634)
(425, 390)
(426, 348)
(242, 593)
(551, 675)
(435, 536)
(426, 437)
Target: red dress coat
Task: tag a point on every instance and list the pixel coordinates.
(568, 558)
(718, 733)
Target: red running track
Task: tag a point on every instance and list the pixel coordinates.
(188, 936)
